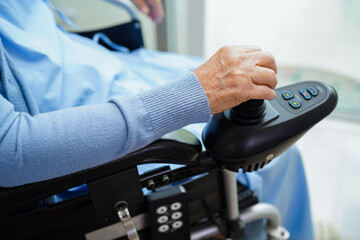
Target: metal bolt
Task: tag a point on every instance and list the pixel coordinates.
(269, 157)
(150, 183)
(165, 178)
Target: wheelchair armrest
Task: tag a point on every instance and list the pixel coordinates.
(179, 147)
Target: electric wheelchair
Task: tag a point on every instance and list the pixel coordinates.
(201, 200)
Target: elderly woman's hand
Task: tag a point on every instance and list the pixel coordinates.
(235, 74)
(152, 8)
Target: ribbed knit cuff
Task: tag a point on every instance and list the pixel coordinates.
(176, 104)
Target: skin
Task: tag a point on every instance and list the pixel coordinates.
(152, 8)
(234, 74)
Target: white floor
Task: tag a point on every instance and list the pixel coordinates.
(331, 157)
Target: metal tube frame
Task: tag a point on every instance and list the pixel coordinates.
(231, 198)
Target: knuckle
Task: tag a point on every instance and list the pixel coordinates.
(251, 48)
(226, 51)
(226, 55)
(253, 72)
(270, 58)
(268, 55)
(252, 89)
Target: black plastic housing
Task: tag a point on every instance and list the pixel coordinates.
(236, 144)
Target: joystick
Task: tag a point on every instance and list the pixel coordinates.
(249, 113)
(251, 134)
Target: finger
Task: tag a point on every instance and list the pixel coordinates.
(262, 92)
(264, 76)
(264, 59)
(156, 10)
(142, 6)
(248, 48)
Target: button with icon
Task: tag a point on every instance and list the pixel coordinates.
(287, 95)
(313, 91)
(295, 103)
(305, 94)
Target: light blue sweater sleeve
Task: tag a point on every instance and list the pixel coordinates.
(48, 145)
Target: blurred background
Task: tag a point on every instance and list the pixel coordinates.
(311, 40)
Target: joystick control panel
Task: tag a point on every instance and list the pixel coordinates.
(298, 98)
(250, 135)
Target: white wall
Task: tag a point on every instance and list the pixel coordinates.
(320, 34)
(185, 26)
(317, 33)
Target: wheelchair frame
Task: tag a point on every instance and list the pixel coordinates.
(93, 213)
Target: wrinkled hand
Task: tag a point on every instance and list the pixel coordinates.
(152, 8)
(235, 74)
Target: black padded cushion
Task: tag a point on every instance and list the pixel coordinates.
(179, 147)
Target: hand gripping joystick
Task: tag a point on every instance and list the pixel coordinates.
(250, 135)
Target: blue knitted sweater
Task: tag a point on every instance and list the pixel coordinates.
(64, 102)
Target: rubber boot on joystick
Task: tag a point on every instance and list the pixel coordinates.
(248, 113)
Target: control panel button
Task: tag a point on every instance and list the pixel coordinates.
(313, 91)
(161, 210)
(295, 103)
(177, 224)
(305, 94)
(163, 228)
(175, 206)
(176, 215)
(287, 95)
(163, 219)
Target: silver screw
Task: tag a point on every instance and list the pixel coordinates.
(150, 183)
(270, 156)
(165, 178)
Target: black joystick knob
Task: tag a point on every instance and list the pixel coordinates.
(248, 113)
